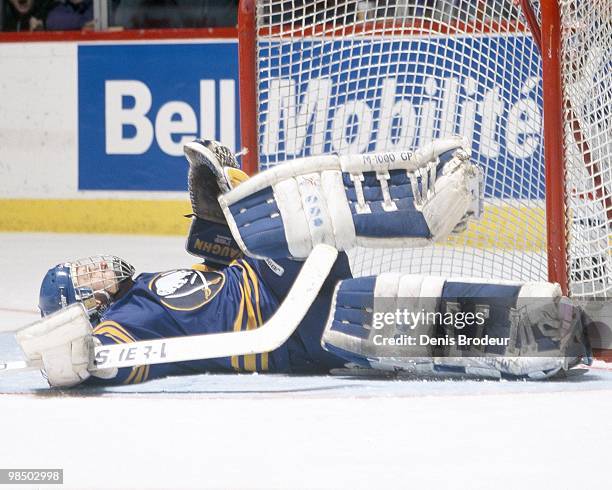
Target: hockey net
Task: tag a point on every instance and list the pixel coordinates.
(362, 76)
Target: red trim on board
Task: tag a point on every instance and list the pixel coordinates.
(119, 35)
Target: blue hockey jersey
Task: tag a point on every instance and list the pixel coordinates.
(200, 300)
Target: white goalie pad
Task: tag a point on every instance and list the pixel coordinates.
(393, 199)
(435, 326)
(61, 344)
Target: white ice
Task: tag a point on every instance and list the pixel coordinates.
(265, 431)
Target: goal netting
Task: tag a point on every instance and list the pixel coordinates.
(586, 71)
(364, 76)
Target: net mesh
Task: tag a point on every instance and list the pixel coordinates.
(361, 76)
(586, 52)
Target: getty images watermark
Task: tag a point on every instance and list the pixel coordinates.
(480, 326)
(406, 326)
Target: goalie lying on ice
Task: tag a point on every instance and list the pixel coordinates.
(276, 218)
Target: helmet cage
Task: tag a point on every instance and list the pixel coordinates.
(99, 274)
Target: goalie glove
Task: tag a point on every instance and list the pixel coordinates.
(396, 199)
(213, 170)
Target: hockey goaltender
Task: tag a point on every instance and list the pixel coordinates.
(275, 293)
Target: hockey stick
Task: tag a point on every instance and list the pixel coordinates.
(269, 336)
(14, 366)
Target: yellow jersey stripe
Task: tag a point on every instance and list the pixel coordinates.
(250, 363)
(255, 282)
(113, 332)
(202, 268)
(264, 361)
(120, 335)
(140, 377)
(115, 329)
(116, 340)
(255, 318)
(252, 321)
(238, 327)
(247, 286)
(254, 315)
(132, 375)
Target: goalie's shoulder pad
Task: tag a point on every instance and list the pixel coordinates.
(386, 199)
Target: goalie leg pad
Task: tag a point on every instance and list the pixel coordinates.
(256, 220)
(381, 200)
(367, 317)
(414, 323)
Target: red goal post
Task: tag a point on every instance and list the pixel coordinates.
(529, 185)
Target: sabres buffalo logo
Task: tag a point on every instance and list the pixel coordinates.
(186, 289)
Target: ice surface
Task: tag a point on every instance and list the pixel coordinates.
(270, 431)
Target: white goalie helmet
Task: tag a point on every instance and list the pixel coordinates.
(93, 281)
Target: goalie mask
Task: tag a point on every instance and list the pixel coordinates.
(93, 281)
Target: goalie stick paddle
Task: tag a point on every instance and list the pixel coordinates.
(15, 366)
(269, 336)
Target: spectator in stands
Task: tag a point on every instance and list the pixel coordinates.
(70, 15)
(162, 14)
(24, 15)
(217, 13)
(148, 14)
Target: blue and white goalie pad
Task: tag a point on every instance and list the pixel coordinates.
(468, 327)
(394, 199)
